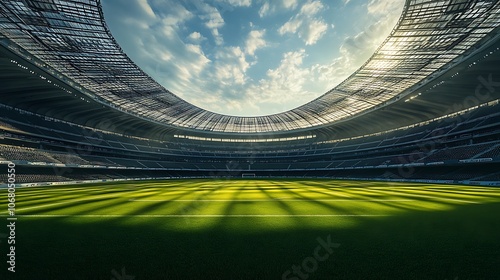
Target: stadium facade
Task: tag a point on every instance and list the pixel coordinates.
(424, 107)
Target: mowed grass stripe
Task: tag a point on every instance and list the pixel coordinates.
(227, 198)
(267, 200)
(435, 195)
(226, 208)
(196, 216)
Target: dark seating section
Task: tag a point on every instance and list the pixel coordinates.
(26, 154)
(494, 152)
(461, 152)
(451, 145)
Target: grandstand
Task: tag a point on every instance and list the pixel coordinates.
(463, 148)
(424, 108)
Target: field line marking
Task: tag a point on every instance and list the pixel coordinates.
(197, 216)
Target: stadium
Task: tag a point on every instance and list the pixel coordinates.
(391, 174)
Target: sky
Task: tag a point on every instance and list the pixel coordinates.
(250, 57)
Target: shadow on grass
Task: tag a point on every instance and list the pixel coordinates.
(459, 244)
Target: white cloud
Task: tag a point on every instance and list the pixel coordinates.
(356, 50)
(282, 85)
(239, 3)
(180, 68)
(305, 25)
(213, 21)
(168, 30)
(290, 26)
(200, 59)
(169, 23)
(288, 75)
(289, 4)
(255, 41)
(219, 40)
(146, 8)
(382, 7)
(272, 6)
(196, 37)
(233, 92)
(231, 66)
(311, 8)
(314, 32)
(264, 9)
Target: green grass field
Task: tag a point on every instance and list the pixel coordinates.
(255, 229)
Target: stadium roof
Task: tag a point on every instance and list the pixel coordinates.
(72, 38)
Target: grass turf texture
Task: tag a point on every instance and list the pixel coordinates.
(255, 229)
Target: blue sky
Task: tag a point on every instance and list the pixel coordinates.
(250, 57)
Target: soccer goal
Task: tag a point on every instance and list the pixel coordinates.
(247, 175)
